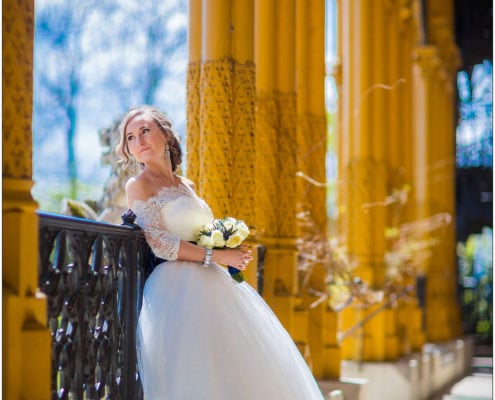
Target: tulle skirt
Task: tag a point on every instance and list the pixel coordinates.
(201, 336)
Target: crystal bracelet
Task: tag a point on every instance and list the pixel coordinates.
(207, 259)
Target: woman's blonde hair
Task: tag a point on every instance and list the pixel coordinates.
(122, 148)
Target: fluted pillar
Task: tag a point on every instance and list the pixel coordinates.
(215, 117)
(26, 343)
(402, 40)
(220, 129)
(311, 151)
(433, 194)
(275, 219)
(443, 35)
(277, 162)
(193, 91)
(435, 66)
(364, 134)
(243, 144)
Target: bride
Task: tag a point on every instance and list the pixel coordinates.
(200, 335)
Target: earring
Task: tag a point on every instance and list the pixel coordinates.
(167, 153)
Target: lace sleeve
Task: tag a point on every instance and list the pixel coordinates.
(164, 244)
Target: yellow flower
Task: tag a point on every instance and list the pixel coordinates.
(234, 240)
(217, 238)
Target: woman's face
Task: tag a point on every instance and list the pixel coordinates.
(145, 139)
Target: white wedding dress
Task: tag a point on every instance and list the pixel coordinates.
(201, 335)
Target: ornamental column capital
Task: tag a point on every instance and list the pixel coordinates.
(443, 37)
(17, 85)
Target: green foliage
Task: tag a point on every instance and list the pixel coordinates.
(476, 278)
(50, 197)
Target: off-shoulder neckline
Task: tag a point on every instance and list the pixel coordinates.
(163, 189)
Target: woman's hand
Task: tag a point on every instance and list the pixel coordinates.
(237, 258)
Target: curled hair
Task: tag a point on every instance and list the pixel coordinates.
(122, 148)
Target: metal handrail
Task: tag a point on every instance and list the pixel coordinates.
(93, 275)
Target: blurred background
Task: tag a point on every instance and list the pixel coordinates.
(94, 60)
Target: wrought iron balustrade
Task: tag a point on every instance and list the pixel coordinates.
(93, 274)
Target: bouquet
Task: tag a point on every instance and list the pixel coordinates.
(221, 233)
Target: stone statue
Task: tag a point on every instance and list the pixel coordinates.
(113, 201)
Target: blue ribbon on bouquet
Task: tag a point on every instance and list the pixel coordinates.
(236, 274)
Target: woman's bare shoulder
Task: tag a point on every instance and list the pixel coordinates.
(137, 188)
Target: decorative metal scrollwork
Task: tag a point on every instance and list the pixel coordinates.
(93, 275)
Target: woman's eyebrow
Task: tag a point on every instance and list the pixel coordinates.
(139, 129)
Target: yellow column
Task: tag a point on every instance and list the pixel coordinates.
(435, 74)
(449, 201)
(311, 113)
(305, 137)
(443, 34)
(363, 156)
(243, 143)
(243, 121)
(193, 92)
(266, 123)
(364, 131)
(427, 63)
(221, 96)
(395, 151)
(215, 112)
(401, 38)
(408, 40)
(266, 144)
(276, 142)
(26, 343)
(442, 277)
(311, 139)
(442, 312)
(410, 316)
(284, 259)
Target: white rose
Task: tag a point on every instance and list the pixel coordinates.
(228, 224)
(217, 238)
(205, 241)
(234, 240)
(243, 230)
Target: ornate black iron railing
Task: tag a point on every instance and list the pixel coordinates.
(93, 274)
